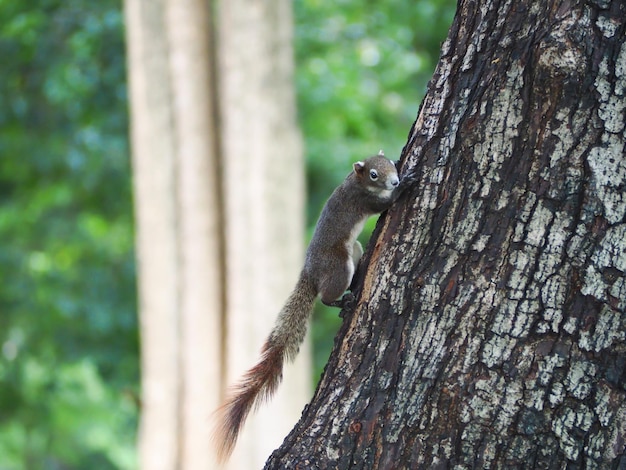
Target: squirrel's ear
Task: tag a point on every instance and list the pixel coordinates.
(381, 153)
(358, 167)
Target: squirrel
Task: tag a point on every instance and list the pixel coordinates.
(330, 262)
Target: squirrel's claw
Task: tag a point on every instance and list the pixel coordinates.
(347, 302)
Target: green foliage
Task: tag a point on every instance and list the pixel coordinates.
(68, 332)
(362, 70)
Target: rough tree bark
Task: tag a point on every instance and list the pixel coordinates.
(490, 327)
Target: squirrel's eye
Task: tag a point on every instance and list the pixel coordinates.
(373, 175)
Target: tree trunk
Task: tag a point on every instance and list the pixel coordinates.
(199, 226)
(178, 229)
(264, 203)
(219, 214)
(154, 180)
(490, 327)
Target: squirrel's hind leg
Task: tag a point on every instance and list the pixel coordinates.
(333, 289)
(332, 286)
(347, 301)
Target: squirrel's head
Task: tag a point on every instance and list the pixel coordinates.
(377, 174)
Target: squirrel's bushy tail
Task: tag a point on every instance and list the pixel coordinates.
(261, 381)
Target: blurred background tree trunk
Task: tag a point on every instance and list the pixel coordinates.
(153, 143)
(490, 328)
(219, 213)
(263, 180)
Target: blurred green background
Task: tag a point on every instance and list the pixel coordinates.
(69, 365)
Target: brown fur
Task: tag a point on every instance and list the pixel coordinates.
(262, 380)
(256, 386)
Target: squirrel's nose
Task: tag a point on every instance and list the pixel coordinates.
(395, 182)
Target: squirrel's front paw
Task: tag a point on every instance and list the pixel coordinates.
(409, 178)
